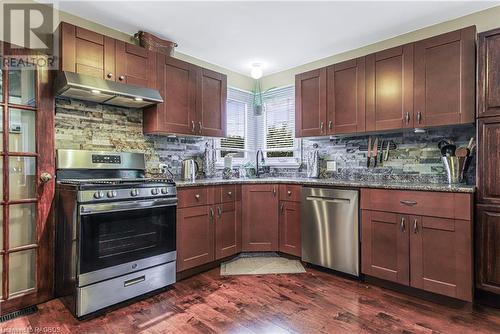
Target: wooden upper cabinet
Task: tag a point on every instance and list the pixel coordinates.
(176, 81)
(310, 103)
(194, 100)
(389, 89)
(385, 246)
(260, 217)
(86, 52)
(441, 256)
(488, 248)
(211, 103)
(346, 97)
(89, 53)
(489, 74)
(445, 79)
(132, 64)
(489, 160)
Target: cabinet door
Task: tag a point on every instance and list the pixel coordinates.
(346, 97)
(445, 79)
(195, 236)
(176, 81)
(211, 103)
(385, 246)
(132, 64)
(441, 256)
(389, 89)
(310, 103)
(227, 229)
(289, 228)
(488, 248)
(86, 52)
(260, 217)
(489, 74)
(489, 160)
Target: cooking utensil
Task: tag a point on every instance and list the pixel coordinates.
(386, 156)
(382, 151)
(448, 150)
(375, 152)
(462, 152)
(442, 143)
(368, 154)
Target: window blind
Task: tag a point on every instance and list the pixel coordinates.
(238, 138)
(279, 127)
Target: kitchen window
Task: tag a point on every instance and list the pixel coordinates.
(238, 119)
(280, 146)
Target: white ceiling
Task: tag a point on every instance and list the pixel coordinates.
(279, 34)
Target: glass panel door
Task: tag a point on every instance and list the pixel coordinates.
(25, 263)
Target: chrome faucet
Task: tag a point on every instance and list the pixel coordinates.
(257, 170)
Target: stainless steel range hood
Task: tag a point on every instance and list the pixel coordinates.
(89, 88)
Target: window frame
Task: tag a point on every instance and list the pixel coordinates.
(285, 162)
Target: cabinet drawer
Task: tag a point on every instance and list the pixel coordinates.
(225, 194)
(193, 197)
(423, 203)
(290, 192)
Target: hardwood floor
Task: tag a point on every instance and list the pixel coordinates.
(314, 302)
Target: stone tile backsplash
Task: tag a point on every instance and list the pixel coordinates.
(416, 158)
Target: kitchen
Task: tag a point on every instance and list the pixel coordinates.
(348, 187)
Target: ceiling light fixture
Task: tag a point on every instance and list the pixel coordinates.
(256, 71)
(138, 99)
(95, 91)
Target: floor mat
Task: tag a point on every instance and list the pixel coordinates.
(261, 264)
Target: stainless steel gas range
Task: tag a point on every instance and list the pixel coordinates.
(115, 230)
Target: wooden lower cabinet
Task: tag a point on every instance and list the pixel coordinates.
(289, 228)
(227, 229)
(195, 236)
(441, 256)
(260, 217)
(488, 248)
(428, 253)
(385, 246)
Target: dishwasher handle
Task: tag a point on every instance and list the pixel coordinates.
(328, 199)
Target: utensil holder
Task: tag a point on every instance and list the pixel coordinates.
(456, 168)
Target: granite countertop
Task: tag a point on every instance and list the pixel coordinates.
(459, 188)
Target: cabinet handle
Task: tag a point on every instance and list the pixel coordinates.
(330, 125)
(211, 215)
(193, 127)
(121, 78)
(197, 196)
(109, 75)
(282, 207)
(274, 191)
(409, 203)
(229, 193)
(407, 117)
(415, 226)
(200, 126)
(419, 117)
(289, 193)
(219, 210)
(321, 126)
(402, 224)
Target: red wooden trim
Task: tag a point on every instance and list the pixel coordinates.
(22, 107)
(21, 201)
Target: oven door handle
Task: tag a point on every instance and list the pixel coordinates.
(89, 209)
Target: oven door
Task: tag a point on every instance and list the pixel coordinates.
(117, 238)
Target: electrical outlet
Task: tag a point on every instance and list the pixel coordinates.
(331, 166)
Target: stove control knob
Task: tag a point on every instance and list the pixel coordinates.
(154, 191)
(134, 192)
(164, 190)
(98, 194)
(111, 194)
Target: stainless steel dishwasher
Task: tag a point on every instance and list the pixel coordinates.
(330, 228)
